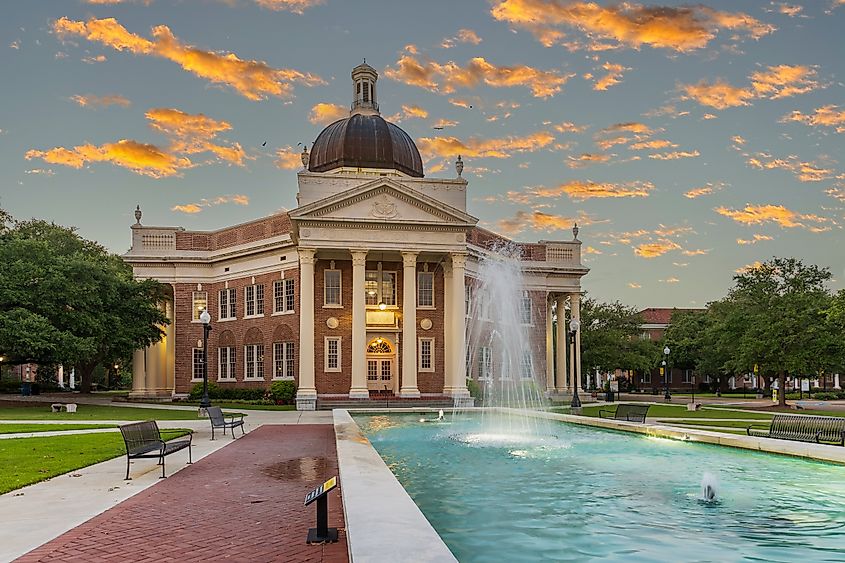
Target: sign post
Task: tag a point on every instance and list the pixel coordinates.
(322, 533)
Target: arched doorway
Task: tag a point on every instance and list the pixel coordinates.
(381, 365)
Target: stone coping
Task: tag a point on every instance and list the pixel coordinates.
(383, 524)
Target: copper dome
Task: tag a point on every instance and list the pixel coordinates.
(365, 141)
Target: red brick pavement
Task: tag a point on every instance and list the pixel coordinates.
(241, 503)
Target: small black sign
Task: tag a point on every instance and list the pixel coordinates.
(320, 491)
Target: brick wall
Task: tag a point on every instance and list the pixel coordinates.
(259, 229)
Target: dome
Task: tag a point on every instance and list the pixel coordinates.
(365, 141)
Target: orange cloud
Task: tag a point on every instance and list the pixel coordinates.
(653, 144)
(585, 159)
(463, 36)
(254, 80)
(613, 76)
(779, 81)
(288, 158)
(761, 214)
(630, 127)
(757, 238)
(447, 77)
(836, 193)
(718, 94)
(748, 267)
(323, 114)
(655, 249)
(194, 133)
(634, 285)
(803, 171)
(670, 280)
(91, 100)
(581, 190)
(192, 208)
(295, 6)
(683, 28)
(540, 221)
(483, 148)
(675, 155)
(443, 123)
(409, 112)
(148, 160)
(698, 192)
(569, 127)
(825, 116)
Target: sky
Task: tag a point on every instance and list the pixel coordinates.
(688, 141)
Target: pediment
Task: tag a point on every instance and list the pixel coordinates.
(383, 201)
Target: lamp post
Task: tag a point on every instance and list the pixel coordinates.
(666, 395)
(206, 328)
(574, 325)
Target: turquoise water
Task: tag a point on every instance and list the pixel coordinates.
(588, 494)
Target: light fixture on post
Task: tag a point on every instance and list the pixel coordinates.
(574, 325)
(206, 328)
(666, 395)
(382, 306)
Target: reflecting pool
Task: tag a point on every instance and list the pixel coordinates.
(589, 494)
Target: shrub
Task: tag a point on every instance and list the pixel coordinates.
(283, 392)
(475, 390)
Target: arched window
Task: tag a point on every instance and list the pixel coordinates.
(379, 346)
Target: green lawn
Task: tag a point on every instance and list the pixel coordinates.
(19, 428)
(30, 460)
(680, 411)
(761, 423)
(41, 411)
(243, 406)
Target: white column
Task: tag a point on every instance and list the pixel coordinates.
(457, 385)
(171, 346)
(73, 378)
(447, 324)
(575, 311)
(139, 372)
(306, 394)
(562, 382)
(409, 326)
(836, 381)
(550, 358)
(62, 376)
(359, 327)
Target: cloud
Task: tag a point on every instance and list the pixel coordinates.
(803, 171)
(583, 189)
(484, 148)
(825, 116)
(655, 249)
(254, 80)
(652, 144)
(540, 221)
(91, 100)
(409, 112)
(718, 94)
(675, 155)
(613, 76)
(192, 208)
(836, 193)
(288, 158)
(707, 189)
(463, 36)
(761, 214)
(681, 29)
(585, 159)
(790, 10)
(754, 240)
(569, 127)
(670, 280)
(446, 78)
(634, 285)
(775, 82)
(194, 133)
(591, 250)
(146, 159)
(629, 127)
(748, 267)
(294, 6)
(442, 123)
(696, 252)
(94, 60)
(16, 45)
(323, 114)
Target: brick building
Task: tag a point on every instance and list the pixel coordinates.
(365, 287)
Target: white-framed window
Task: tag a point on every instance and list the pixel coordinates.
(283, 360)
(332, 354)
(228, 303)
(284, 298)
(526, 365)
(485, 362)
(196, 371)
(707, 378)
(467, 299)
(199, 303)
(645, 336)
(254, 300)
(647, 377)
(688, 376)
(254, 361)
(380, 287)
(226, 363)
(426, 354)
(483, 300)
(525, 309)
(332, 285)
(425, 289)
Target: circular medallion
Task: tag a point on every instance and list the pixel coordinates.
(461, 237)
(425, 324)
(306, 233)
(331, 322)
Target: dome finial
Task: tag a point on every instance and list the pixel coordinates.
(459, 166)
(364, 79)
(137, 214)
(575, 230)
(304, 156)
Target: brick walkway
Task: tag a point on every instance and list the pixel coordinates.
(241, 503)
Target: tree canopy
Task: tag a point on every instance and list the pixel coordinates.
(610, 337)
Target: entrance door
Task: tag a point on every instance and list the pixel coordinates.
(380, 360)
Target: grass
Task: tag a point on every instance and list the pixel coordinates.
(19, 428)
(41, 411)
(30, 460)
(680, 411)
(243, 406)
(723, 423)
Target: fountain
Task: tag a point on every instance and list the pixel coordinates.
(709, 485)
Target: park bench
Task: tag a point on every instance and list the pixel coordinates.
(632, 413)
(804, 429)
(143, 439)
(59, 407)
(218, 420)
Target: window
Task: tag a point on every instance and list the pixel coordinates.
(228, 300)
(254, 300)
(332, 359)
(283, 360)
(525, 309)
(254, 361)
(526, 365)
(688, 376)
(426, 352)
(483, 305)
(332, 289)
(226, 361)
(647, 377)
(645, 336)
(284, 298)
(372, 370)
(199, 304)
(485, 362)
(196, 373)
(380, 287)
(425, 289)
(467, 298)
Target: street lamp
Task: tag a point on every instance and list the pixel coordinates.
(666, 395)
(206, 328)
(574, 325)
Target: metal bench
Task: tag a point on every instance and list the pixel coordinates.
(218, 420)
(143, 439)
(58, 407)
(804, 429)
(624, 411)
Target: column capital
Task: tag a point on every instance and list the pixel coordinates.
(409, 259)
(447, 268)
(307, 255)
(459, 259)
(359, 257)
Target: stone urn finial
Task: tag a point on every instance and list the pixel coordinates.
(575, 230)
(138, 214)
(459, 166)
(305, 157)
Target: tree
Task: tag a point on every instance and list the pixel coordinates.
(66, 300)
